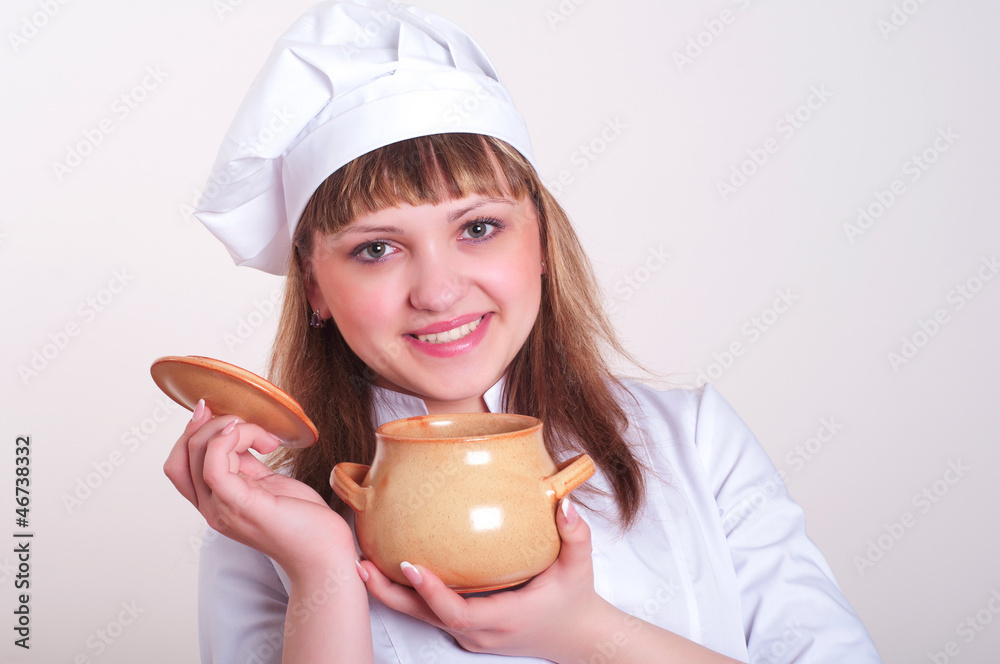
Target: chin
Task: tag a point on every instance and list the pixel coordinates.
(457, 391)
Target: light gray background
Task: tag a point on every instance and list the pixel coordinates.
(117, 223)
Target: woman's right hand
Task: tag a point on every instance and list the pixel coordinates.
(239, 496)
(242, 498)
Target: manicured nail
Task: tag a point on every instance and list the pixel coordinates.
(199, 410)
(569, 512)
(362, 572)
(411, 573)
(229, 428)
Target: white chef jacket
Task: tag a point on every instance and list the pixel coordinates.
(719, 555)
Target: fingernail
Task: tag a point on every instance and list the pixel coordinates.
(569, 512)
(362, 572)
(411, 573)
(229, 428)
(199, 410)
(280, 442)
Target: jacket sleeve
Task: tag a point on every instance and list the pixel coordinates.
(793, 609)
(241, 604)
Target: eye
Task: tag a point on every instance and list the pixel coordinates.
(481, 228)
(373, 252)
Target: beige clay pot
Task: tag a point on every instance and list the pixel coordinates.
(471, 497)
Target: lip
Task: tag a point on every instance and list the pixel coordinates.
(446, 325)
(451, 348)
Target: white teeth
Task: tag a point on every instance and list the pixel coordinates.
(450, 335)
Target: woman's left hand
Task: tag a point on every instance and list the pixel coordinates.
(546, 618)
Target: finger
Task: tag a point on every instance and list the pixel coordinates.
(451, 609)
(177, 467)
(227, 454)
(259, 440)
(575, 534)
(396, 596)
(197, 446)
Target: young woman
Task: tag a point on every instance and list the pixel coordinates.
(429, 270)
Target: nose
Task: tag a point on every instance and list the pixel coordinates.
(437, 284)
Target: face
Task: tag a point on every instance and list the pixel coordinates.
(435, 299)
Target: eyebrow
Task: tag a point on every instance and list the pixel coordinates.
(360, 229)
(352, 229)
(461, 212)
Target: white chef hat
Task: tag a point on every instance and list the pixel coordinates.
(345, 79)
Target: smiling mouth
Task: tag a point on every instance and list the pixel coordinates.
(453, 334)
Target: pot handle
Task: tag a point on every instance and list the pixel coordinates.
(571, 474)
(345, 480)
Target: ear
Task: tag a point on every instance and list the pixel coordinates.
(315, 297)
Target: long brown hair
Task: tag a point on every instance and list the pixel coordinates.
(560, 375)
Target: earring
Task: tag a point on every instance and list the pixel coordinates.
(316, 321)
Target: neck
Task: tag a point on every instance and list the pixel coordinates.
(471, 405)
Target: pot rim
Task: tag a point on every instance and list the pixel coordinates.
(520, 425)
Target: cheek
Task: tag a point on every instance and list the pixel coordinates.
(516, 283)
(361, 313)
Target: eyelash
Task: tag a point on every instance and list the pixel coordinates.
(497, 225)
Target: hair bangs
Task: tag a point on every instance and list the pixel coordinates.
(419, 171)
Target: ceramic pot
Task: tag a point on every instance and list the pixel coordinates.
(471, 497)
